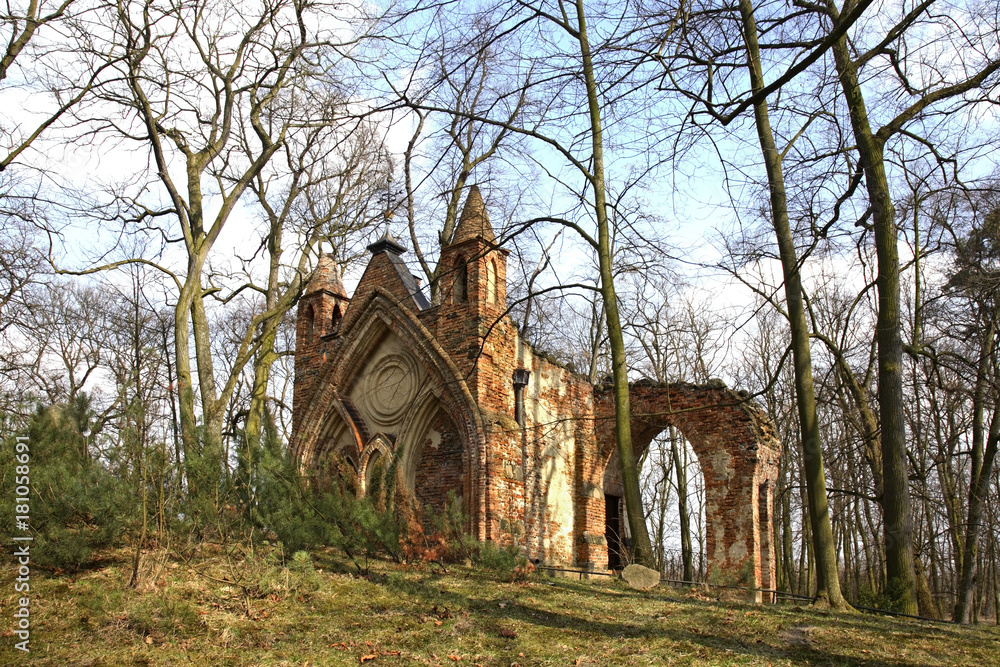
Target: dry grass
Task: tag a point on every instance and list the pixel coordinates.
(216, 609)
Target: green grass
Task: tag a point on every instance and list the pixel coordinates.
(217, 610)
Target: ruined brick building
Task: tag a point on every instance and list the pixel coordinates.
(526, 444)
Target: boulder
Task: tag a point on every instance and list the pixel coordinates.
(640, 578)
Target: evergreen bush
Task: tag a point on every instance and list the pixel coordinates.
(77, 506)
(302, 513)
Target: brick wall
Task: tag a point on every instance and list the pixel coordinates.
(542, 485)
(738, 451)
(440, 468)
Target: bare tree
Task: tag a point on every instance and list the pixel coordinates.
(39, 38)
(21, 265)
(324, 189)
(213, 93)
(706, 68)
(976, 279)
(958, 84)
(449, 148)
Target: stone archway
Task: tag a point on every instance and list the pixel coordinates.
(378, 452)
(386, 387)
(738, 450)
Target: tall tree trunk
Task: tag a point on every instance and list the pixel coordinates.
(178, 460)
(996, 578)
(787, 538)
(266, 356)
(982, 470)
(824, 547)
(806, 564)
(619, 368)
(213, 410)
(687, 554)
(190, 442)
(898, 530)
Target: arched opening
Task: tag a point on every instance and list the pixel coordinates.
(673, 498)
(410, 420)
(374, 469)
(460, 290)
(737, 451)
(491, 281)
(439, 467)
(335, 458)
(337, 468)
(376, 460)
(309, 319)
(336, 318)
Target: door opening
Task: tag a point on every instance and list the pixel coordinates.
(612, 531)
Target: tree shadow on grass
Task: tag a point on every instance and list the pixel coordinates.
(493, 614)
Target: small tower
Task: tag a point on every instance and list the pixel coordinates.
(322, 305)
(473, 266)
(320, 310)
(471, 316)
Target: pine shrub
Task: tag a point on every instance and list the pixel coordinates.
(77, 506)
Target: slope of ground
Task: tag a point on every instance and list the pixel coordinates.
(233, 609)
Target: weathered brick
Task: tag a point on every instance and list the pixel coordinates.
(435, 384)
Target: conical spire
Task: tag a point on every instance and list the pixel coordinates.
(474, 221)
(326, 277)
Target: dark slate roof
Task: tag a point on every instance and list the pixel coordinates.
(393, 250)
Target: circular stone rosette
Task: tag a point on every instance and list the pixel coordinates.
(391, 387)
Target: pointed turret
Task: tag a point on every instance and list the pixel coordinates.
(474, 222)
(326, 277)
(320, 312)
(471, 323)
(321, 308)
(386, 243)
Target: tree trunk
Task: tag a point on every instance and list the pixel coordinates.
(619, 368)
(687, 555)
(190, 442)
(898, 530)
(266, 356)
(787, 538)
(824, 547)
(212, 409)
(982, 470)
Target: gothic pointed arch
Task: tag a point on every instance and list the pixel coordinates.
(336, 317)
(381, 342)
(341, 431)
(491, 280)
(460, 285)
(378, 451)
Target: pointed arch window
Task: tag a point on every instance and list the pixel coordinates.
(374, 470)
(310, 324)
(460, 292)
(337, 317)
(491, 281)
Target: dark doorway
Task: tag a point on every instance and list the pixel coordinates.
(612, 531)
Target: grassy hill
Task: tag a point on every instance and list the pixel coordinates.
(216, 608)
